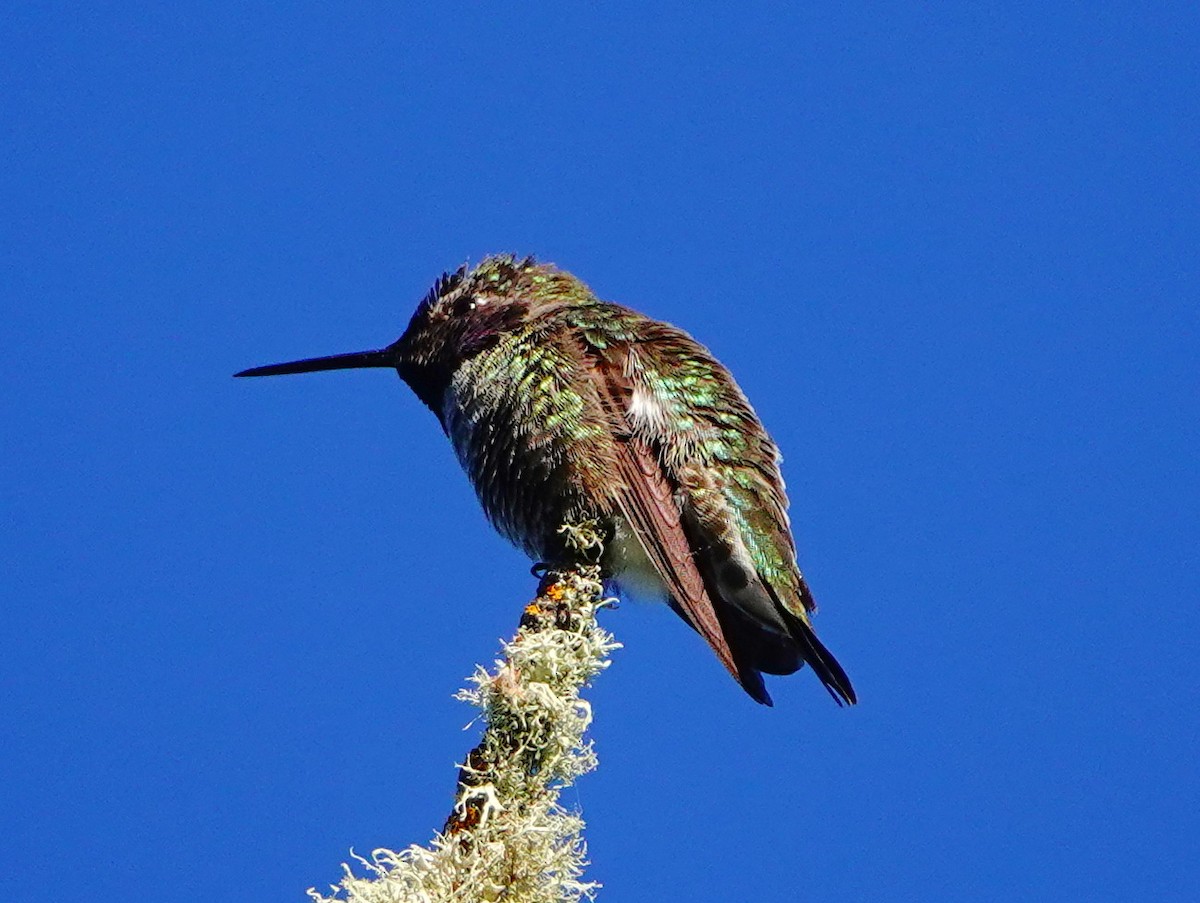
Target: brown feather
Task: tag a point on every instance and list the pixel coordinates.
(647, 502)
(646, 499)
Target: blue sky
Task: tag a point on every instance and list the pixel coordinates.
(950, 253)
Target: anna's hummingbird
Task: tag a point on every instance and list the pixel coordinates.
(564, 408)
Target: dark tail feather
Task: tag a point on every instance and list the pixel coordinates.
(748, 673)
(821, 660)
(759, 650)
(761, 634)
(752, 682)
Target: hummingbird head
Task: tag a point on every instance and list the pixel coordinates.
(466, 312)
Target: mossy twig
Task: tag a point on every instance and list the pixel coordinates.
(507, 838)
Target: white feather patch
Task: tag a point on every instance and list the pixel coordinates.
(645, 409)
(634, 573)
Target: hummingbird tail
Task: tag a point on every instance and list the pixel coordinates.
(767, 636)
(821, 660)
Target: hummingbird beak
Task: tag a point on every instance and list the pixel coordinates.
(384, 357)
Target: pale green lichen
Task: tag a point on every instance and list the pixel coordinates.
(508, 838)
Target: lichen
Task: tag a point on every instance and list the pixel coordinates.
(507, 837)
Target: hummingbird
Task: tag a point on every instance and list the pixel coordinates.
(563, 408)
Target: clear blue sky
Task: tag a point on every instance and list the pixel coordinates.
(951, 254)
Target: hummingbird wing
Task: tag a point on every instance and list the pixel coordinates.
(697, 457)
(646, 499)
